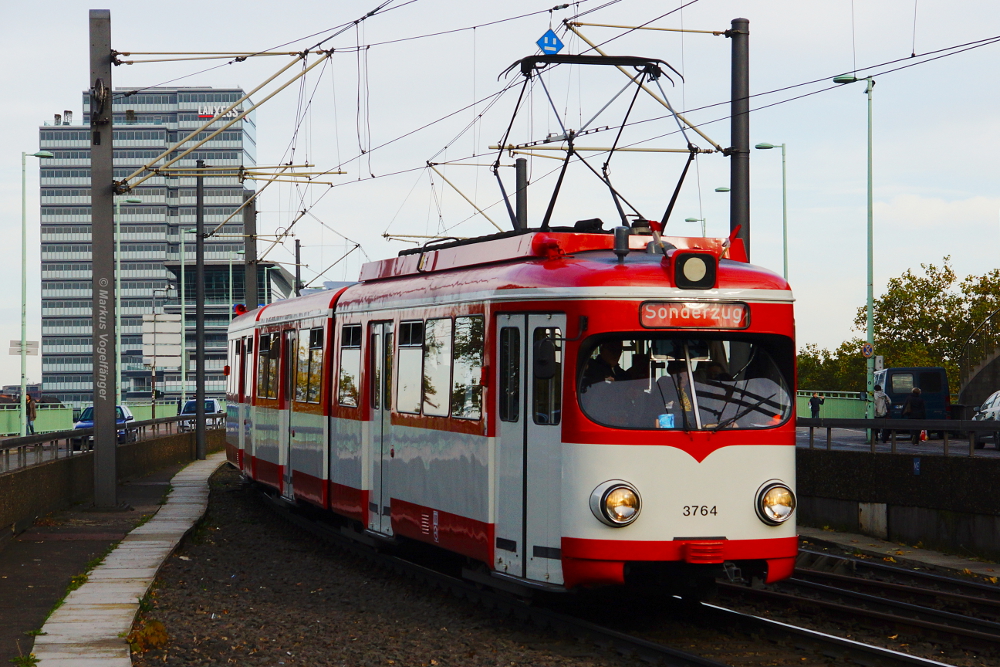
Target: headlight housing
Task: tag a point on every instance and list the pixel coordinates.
(775, 503)
(615, 503)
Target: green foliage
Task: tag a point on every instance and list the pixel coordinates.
(842, 369)
(921, 320)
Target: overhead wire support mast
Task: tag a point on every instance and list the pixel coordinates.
(202, 55)
(570, 26)
(523, 149)
(151, 169)
(431, 166)
(717, 33)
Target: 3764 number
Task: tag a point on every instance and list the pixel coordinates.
(700, 510)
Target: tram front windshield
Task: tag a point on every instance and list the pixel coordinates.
(658, 381)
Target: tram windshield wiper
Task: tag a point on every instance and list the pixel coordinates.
(740, 415)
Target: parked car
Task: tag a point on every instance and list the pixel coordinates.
(122, 416)
(213, 407)
(989, 411)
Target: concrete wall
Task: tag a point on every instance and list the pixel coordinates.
(28, 493)
(948, 503)
(985, 380)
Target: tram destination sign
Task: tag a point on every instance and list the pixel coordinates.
(693, 314)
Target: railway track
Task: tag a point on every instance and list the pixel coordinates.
(820, 561)
(784, 638)
(915, 605)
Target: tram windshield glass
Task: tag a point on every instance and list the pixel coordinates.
(659, 381)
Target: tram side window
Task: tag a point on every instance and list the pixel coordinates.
(411, 345)
(350, 366)
(437, 367)
(247, 367)
(466, 388)
(267, 366)
(547, 398)
(232, 361)
(310, 365)
(510, 374)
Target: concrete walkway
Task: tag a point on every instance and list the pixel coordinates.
(89, 629)
(900, 553)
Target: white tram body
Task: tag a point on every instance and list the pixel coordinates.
(526, 400)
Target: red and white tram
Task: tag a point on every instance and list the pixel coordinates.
(539, 402)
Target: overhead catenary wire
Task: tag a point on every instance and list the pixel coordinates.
(937, 53)
(339, 29)
(948, 51)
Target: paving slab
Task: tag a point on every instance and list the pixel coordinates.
(89, 628)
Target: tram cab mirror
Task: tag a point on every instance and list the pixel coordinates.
(545, 359)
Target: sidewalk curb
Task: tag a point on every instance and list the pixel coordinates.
(89, 628)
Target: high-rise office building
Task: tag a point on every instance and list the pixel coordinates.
(153, 221)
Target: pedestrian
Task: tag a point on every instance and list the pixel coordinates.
(914, 408)
(32, 413)
(881, 412)
(814, 404)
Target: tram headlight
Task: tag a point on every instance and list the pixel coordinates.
(775, 503)
(615, 503)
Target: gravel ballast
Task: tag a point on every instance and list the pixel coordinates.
(248, 588)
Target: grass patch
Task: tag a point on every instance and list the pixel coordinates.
(166, 493)
(78, 580)
(24, 660)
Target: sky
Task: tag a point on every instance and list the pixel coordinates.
(408, 97)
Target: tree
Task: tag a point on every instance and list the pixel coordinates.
(842, 369)
(920, 320)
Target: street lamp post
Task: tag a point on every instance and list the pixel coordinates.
(24, 286)
(870, 319)
(784, 206)
(184, 355)
(701, 220)
(118, 294)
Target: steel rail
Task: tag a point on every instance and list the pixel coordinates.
(915, 611)
(838, 648)
(368, 547)
(860, 564)
(920, 627)
(360, 544)
(886, 587)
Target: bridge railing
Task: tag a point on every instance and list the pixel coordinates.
(981, 345)
(34, 449)
(948, 427)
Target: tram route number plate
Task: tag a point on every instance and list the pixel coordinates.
(700, 510)
(670, 314)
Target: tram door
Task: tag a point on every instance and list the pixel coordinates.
(528, 459)
(379, 388)
(285, 427)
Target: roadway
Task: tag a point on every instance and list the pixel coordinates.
(854, 440)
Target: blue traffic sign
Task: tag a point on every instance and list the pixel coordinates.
(867, 350)
(550, 43)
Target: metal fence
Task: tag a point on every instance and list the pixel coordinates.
(836, 404)
(951, 429)
(31, 450)
(55, 418)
